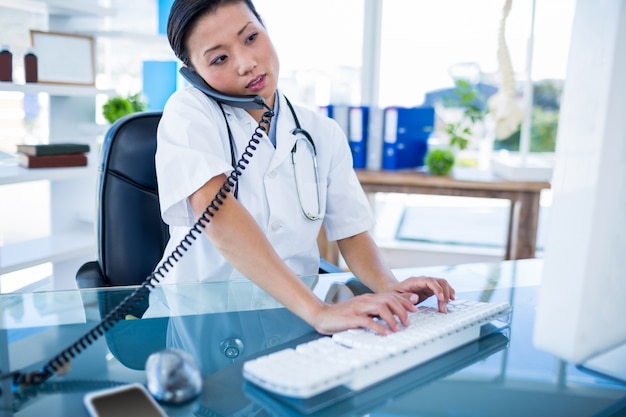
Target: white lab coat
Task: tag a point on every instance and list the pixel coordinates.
(193, 147)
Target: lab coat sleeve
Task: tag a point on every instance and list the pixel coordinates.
(190, 151)
(348, 211)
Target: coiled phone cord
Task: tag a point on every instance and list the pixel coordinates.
(61, 362)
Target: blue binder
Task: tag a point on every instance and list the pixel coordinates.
(358, 128)
(405, 137)
(340, 113)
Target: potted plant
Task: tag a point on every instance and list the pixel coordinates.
(119, 106)
(440, 161)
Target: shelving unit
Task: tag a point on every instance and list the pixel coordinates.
(71, 115)
(59, 7)
(72, 190)
(72, 208)
(129, 36)
(57, 247)
(72, 200)
(76, 8)
(13, 174)
(53, 89)
(54, 248)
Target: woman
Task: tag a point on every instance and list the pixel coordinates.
(266, 228)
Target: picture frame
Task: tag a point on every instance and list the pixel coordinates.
(64, 58)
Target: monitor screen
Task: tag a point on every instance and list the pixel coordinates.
(581, 308)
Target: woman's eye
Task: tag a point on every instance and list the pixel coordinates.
(219, 60)
(252, 37)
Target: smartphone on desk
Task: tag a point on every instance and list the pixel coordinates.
(123, 401)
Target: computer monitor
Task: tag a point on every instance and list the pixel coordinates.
(581, 309)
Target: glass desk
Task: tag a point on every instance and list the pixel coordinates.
(500, 375)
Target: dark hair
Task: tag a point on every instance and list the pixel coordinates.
(185, 14)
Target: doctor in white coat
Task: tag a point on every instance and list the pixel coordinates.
(274, 189)
(267, 225)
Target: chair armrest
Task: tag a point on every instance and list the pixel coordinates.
(357, 287)
(327, 268)
(90, 276)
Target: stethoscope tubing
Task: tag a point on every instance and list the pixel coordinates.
(298, 132)
(306, 213)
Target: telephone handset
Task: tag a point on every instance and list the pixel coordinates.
(61, 362)
(245, 102)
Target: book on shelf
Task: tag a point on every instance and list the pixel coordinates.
(52, 161)
(53, 149)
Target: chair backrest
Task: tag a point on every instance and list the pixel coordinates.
(131, 234)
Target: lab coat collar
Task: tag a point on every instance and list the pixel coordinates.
(284, 138)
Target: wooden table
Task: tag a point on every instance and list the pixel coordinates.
(466, 182)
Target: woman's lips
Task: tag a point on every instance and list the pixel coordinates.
(257, 83)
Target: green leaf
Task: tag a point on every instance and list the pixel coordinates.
(118, 106)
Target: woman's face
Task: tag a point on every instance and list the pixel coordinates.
(231, 50)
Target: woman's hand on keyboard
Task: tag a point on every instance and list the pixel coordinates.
(418, 289)
(367, 311)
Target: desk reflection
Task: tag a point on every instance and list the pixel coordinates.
(499, 376)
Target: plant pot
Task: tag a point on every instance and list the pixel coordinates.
(439, 161)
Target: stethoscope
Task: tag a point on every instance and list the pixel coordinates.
(300, 134)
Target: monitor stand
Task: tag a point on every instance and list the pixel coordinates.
(611, 364)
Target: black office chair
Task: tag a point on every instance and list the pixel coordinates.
(130, 233)
(131, 236)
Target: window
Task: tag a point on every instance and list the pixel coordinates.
(423, 43)
(319, 44)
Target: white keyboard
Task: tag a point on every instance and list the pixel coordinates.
(359, 358)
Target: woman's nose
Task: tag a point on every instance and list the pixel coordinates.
(246, 64)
